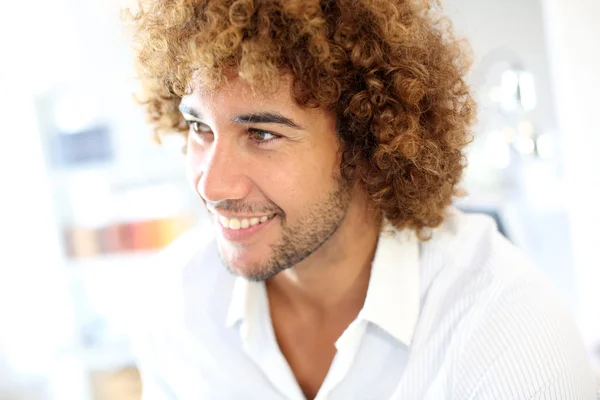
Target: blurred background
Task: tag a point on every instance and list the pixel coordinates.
(87, 198)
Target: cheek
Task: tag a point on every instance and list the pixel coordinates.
(277, 183)
(193, 162)
(191, 177)
(294, 183)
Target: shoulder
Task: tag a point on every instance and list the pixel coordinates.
(170, 264)
(522, 345)
(180, 282)
(468, 262)
(159, 298)
(191, 259)
(511, 335)
(160, 295)
(472, 242)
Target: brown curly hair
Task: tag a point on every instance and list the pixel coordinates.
(391, 70)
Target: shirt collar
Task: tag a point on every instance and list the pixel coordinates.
(243, 300)
(393, 296)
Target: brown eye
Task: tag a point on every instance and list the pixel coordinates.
(198, 127)
(262, 136)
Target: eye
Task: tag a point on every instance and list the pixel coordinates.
(198, 127)
(260, 137)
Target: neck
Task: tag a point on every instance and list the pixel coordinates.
(336, 276)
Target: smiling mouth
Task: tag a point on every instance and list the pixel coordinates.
(243, 223)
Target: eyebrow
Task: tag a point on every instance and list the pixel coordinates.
(266, 117)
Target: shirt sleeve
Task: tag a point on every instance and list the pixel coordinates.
(524, 346)
(147, 334)
(154, 387)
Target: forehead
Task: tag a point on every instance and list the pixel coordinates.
(236, 97)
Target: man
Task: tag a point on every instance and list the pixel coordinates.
(325, 139)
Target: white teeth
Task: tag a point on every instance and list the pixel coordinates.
(224, 221)
(236, 223)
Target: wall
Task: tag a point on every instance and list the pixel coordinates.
(35, 310)
(574, 43)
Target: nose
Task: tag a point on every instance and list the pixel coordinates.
(221, 174)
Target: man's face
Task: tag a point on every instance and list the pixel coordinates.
(268, 172)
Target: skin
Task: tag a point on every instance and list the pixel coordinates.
(315, 253)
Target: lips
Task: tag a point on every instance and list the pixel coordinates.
(243, 230)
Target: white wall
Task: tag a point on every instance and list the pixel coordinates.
(35, 308)
(574, 44)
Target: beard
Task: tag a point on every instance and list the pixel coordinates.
(299, 240)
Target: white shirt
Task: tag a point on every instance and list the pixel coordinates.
(462, 316)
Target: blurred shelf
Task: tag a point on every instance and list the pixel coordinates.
(113, 261)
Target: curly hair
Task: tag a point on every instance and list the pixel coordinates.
(392, 71)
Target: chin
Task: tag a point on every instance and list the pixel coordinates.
(253, 273)
(244, 263)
